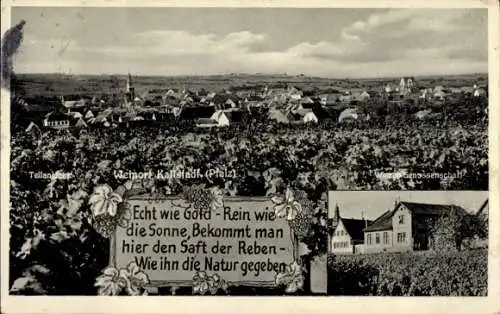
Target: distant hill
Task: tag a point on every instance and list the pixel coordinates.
(61, 84)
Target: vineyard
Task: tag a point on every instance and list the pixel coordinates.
(53, 244)
(410, 274)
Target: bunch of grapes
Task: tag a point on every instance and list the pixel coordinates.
(301, 224)
(105, 224)
(199, 197)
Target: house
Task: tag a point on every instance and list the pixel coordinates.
(347, 238)
(302, 116)
(278, 116)
(310, 117)
(236, 116)
(56, 120)
(365, 95)
(320, 112)
(75, 115)
(406, 85)
(423, 94)
(439, 95)
(479, 92)
(438, 88)
(405, 228)
(195, 112)
(295, 96)
(423, 113)
(230, 103)
(206, 123)
(346, 98)
(307, 100)
(104, 116)
(171, 93)
(89, 115)
(349, 114)
(74, 105)
(328, 99)
(221, 118)
(467, 90)
(360, 96)
(33, 129)
(81, 124)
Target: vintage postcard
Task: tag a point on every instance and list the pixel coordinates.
(249, 156)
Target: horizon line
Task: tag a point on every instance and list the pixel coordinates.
(253, 74)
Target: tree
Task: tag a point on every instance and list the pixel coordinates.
(449, 231)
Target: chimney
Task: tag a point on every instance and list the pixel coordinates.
(363, 218)
(396, 201)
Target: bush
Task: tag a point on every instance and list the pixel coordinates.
(410, 274)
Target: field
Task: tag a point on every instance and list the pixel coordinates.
(410, 274)
(58, 84)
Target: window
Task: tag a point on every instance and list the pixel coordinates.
(369, 239)
(401, 237)
(401, 219)
(377, 238)
(386, 238)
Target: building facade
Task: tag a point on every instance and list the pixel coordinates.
(347, 238)
(405, 228)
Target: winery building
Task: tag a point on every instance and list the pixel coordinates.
(405, 228)
(346, 235)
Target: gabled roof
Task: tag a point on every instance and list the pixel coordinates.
(431, 209)
(190, 113)
(32, 127)
(74, 103)
(80, 123)
(383, 222)
(298, 115)
(56, 115)
(278, 115)
(483, 210)
(355, 227)
(349, 113)
(235, 116)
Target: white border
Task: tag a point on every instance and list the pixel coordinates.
(44, 304)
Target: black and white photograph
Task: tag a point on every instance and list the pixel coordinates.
(246, 150)
(408, 243)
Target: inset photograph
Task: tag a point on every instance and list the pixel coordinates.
(408, 243)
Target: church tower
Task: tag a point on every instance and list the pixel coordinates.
(130, 89)
(336, 217)
(335, 221)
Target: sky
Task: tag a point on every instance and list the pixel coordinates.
(372, 204)
(336, 42)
